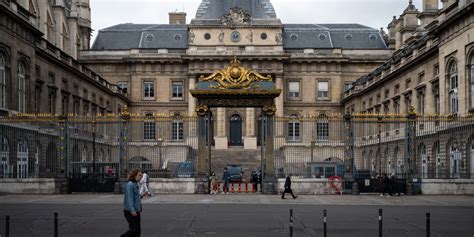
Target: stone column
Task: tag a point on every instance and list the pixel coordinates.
(221, 137)
(250, 141)
(269, 181)
(201, 178)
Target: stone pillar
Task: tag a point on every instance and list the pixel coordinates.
(192, 133)
(201, 178)
(279, 125)
(250, 141)
(221, 137)
(269, 181)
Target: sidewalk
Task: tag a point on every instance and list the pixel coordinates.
(333, 200)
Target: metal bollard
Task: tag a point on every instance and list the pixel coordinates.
(291, 222)
(55, 224)
(380, 222)
(325, 223)
(428, 226)
(7, 226)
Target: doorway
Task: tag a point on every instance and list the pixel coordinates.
(235, 130)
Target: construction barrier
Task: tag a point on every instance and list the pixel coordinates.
(237, 187)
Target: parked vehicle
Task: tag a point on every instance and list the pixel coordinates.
(235, 173)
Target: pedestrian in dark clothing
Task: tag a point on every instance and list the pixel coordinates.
(225, 181)
(254, 176)
(132, 205)
(386, 185)
(288, 188)
(395, 185)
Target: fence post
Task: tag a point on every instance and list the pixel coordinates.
(291, 222)
(410, 149)
(7, 226)
(428, 226)
(325, 223)
(55, 224)
(380, 222)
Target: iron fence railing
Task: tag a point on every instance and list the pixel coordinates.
(423, 147)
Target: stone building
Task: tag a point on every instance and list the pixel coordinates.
(431, 70)
(159, 63)
(40, 74)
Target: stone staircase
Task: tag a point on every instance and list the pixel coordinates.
(249, 159)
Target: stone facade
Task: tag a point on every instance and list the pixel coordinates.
(40, 75)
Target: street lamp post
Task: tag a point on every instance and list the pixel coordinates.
(94, 124)
(379, 118)
(160, 144)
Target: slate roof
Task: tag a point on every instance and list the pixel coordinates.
(142, 36)
(346, 36)
(214, 9)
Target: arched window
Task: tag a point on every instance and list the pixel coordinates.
(4, 158)
(177, 128)
(453, 88)
(400, 162)
(424, 161)
(21, 87)
(471, 75)
(84, 155)
(3, 83)
(455, 157)
(437, 157)
(293, 129)
(22, 159)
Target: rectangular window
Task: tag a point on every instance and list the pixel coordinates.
(407, 83)
(397, 89)
(65, 105)
(177, 88)
(124, 86)
(52, 102)
(294, 89)
(76, 107)
(453, 93)
(149, 128)
(387, 93)
(436, 71)
(421, 102)
(149, 89)
(421, 77)
(407, 103)
(437, 99)
(322, 132)
(177, 130)
(323, 89)
(293, 131)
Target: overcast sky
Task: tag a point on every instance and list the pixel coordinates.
(373, 13)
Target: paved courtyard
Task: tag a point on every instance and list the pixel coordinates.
(239, 215)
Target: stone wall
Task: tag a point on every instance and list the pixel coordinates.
(173, 186)
(447, 186)
(33, 186)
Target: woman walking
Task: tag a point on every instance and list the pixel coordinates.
(132, 205)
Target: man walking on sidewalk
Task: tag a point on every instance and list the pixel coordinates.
(288, 188)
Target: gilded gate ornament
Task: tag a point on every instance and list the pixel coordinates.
(235, 76)
(269, 109)
(202, 109)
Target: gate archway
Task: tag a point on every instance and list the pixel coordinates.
(236, 86)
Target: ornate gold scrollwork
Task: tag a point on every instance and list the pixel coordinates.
(235, 77)
(202, 110)
(125, 114)
(269, 109)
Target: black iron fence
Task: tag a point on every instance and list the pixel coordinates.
(104, 147)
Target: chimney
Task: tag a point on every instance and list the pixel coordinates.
(392, 32)
(409, 22)
(429, 13)
(177, 18)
